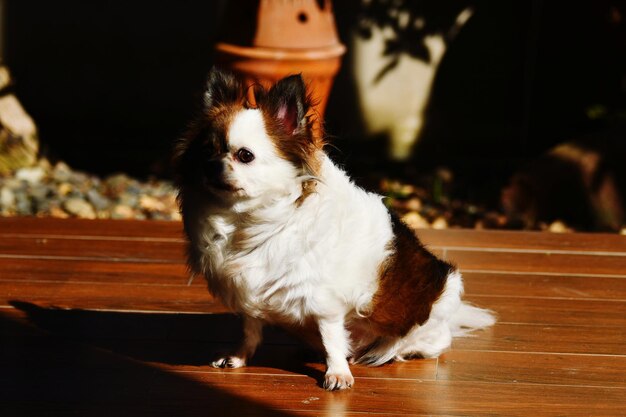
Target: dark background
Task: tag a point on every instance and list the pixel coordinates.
(111, 84)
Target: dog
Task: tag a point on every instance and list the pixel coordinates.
(284, 237)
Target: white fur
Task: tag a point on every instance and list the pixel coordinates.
(277, 261)
(268, 175)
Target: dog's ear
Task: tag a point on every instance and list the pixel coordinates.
(289, 103)
(223, 87)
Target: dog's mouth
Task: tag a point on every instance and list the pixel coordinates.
(219, 185)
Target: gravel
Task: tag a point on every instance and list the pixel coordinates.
(47, 190)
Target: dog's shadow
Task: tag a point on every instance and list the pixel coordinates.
(174, 339)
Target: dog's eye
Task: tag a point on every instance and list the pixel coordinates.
(244, 156)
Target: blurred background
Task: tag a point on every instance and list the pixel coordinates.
(468, 113)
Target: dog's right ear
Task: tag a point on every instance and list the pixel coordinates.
(223, 87)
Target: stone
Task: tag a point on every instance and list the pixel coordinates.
(65, 188)
(116, 184)
(140, 216)
(151, 204)
(82, 182)
(23, 205)
(121, 211)
(79, 208)
(40, 193)
(128, 199)
(415, 221)
(414, 204)
(31, 175)
(7, 198)
(558, 227)
(61, 172)
(58, 212)
(99, 201)
(440, 223)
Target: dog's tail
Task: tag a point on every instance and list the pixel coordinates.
(468, 318)
(450, 317)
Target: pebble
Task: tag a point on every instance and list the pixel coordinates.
(99, 201)
(7, 198)
(558, 227)
(121, 211)
(80, 208)
(40, 193)
(58, 213)
(23, 204)
(440, 223)
(150, 204)
(65, 188)
(116, 184)
(59, 191)
(31, 175)
(128, 199)
(61, 172)
(415, 221)
(414, 204)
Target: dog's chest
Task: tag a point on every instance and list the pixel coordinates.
(257, 273)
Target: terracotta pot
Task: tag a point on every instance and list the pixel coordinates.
(288, 37)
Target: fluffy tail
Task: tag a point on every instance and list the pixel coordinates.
(468, 318)
(449, 317)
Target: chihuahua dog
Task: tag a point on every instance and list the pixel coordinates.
(284, 237)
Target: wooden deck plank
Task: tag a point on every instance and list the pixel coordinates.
(32, 226)
(227, 392)
(524, 241)
(226, 328)
(118, 250)
(409, 397)
(105, 296)
(533, 368)
(556, 286)
(91, 271)
(195, 299)
(123, 347)
(104, 271)
(279, 355)
(582, 339)
(550, 311)
(449, 238)
(144, 384)
(538, 262)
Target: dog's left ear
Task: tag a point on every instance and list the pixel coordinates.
(223, 87)
(289, 103)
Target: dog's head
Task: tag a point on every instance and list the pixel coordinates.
(249, 142)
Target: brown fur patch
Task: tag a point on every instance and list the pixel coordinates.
(299, 147)
(308, 188)
(226, 96)
(289, 120)
(410, 281)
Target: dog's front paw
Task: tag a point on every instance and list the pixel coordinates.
(229, 362)
(338, 381)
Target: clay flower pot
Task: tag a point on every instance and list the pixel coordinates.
(266, 40)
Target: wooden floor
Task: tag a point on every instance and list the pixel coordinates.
(99, 318)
